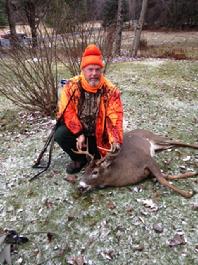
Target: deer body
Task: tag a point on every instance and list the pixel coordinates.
(133, 164)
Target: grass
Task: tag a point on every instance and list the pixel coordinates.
(159, 95)
(164, 44)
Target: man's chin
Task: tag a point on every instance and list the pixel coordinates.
(93, 82)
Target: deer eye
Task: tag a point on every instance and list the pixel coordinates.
(94, 174)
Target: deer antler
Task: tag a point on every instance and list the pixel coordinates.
(84, 152)
(110, 152)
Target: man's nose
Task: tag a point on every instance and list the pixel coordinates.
(94, 72)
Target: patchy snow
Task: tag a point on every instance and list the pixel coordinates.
(117, 225)
(153, 62)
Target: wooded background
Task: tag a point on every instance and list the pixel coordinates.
(166, 13)
(38, 38)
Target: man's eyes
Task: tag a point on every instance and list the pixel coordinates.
(91, 70)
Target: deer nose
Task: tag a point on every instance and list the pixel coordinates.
(83, 187)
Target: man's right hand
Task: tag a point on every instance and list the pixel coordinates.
(115, 147)
(80, 142)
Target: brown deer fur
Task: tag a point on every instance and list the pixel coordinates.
(133, 163)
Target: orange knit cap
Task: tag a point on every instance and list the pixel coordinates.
(91, 55)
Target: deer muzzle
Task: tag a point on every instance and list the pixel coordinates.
(83, 187)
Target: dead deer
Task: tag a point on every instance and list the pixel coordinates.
(133, 163)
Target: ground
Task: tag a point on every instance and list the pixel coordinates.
(143, 224)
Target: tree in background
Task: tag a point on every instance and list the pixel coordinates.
(29, 74)
(30, 71)
(109, 14)
(3, 17)
(119, 26)
(32, 12)
(10, 11)
(171, 13)
(166, 13)
(181, 13)
(138, 29)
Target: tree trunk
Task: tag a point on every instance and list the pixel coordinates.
(11, 22)
(30, 11)
(132, 8)
(138, 29)
(119, 25)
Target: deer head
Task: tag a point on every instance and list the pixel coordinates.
(97, 171)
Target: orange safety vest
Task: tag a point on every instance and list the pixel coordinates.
(109, 122)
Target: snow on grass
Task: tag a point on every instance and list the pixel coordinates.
(110, 225)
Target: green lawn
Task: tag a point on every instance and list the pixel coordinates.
(109, 226)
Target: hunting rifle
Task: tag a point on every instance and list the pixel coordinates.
(49, 141)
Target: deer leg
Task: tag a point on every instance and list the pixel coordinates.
(182, 176)
(156, 172)
(163, 181)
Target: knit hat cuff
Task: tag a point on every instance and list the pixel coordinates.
(91, 59)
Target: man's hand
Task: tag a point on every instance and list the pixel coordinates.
(115, 147)
(80, 142)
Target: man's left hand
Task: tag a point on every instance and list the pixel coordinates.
(80, 142)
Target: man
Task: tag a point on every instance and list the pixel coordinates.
(91, 108)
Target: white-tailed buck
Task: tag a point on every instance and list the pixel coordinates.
(133, 163)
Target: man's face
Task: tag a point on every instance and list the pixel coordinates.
(92, 74)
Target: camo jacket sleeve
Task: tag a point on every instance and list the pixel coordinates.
(68, 99)
(114, 117)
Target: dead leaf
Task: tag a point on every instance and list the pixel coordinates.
(187, 158)
(149, 204)
(178, 239)
(71, 178)
(195, 206)
(139, 247)
(71, 217)
(77, 260)
(50, 237)
(129, 209)
(111, 205)
(107, 254)
(158, 228)
(48, 203)
(196, 248)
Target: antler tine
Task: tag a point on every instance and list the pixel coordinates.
(110, 151)
(84, 152)
(109, 154)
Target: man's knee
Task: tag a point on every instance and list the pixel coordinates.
(64, 137)
(60, 133)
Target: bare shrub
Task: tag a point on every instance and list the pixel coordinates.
(72, 44)
(75, 31)
(29, 75)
